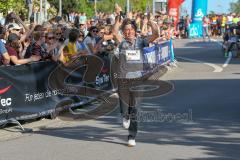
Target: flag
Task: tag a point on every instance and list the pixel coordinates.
(173, 9)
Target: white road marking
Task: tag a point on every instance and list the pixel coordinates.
(228, 60)
(229, 55)
(217, 69)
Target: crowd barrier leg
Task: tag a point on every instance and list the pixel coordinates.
(14, 121)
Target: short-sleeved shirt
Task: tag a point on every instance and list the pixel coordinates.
(205, 22)
(2, 48)
(230, 19)
(37, 50)
(129, 64)
(89, 40)
(2, 51)
(80, 46)
(12, 52)
(235, 20)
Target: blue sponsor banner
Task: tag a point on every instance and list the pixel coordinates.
(199, 10)
(159, 54)
(195, 30)
(164, 53)
(150, 57)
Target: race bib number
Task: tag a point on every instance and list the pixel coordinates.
(133, 55)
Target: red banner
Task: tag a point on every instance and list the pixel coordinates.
(173, 9)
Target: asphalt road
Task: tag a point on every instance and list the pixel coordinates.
(199, 119)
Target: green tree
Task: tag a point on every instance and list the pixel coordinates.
(74, 6)
(102, 6)
(235, 7)
(13, 5)
(105, 6)
(140, 5)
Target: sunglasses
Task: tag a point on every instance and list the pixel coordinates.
(95, 31)
(51, 38)
(58, 33)
(17, 30)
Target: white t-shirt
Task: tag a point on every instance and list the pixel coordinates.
(230, 18)
(89, 40)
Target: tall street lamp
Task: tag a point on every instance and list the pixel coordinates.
(128, 6)
(60, 8)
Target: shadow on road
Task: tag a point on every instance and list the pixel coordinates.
(215, 126)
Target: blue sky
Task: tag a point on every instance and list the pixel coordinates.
(218, 6)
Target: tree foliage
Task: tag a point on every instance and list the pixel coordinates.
(12, 5)
(106, 6)
(74, 6)
(235, 7)
(77, 5)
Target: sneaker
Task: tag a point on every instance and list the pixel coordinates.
(131, 143)
(126, 123)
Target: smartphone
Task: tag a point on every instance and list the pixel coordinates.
(148, 16)
(122, 15)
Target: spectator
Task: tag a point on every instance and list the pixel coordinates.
(75, 45)
(4, 56)
(83, 28)
(3, 34)
(83, 18)
(230, 18)
(187, 26)
(36, 48)
(76, 20)
(92, 22)
(206, 23)
(52, 46)
(223, 24)
(2, 19)
(14, 48)
(90, 41)
(14, 28)
(30, 8)
(59, 33)
(80, 45)
(72, 44)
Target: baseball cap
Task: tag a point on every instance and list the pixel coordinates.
(12, 37)
(13, 26)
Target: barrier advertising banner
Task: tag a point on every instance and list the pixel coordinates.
(159, 54)
(34, 90)
(37, 89)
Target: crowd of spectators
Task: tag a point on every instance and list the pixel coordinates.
(63, 40)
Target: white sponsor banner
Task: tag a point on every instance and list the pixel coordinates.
(165, 52)
(151, 57)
